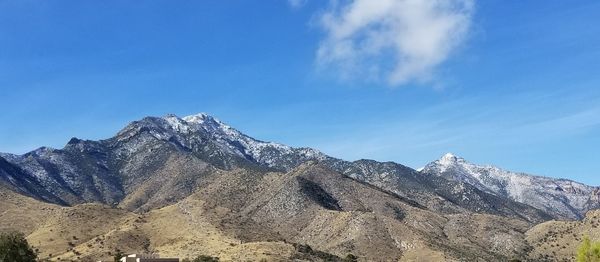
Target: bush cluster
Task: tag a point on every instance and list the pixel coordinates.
(15, 248)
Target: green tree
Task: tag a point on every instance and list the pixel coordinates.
(588, 251)
(15, 248)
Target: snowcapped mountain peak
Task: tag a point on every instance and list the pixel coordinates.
(177, 123)
(449, 158)
(211, 124)
(449, 155)
(447, 161)
(203, 121)
(566, 198)
(197, 118)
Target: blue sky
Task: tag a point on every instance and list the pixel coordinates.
(510, 83)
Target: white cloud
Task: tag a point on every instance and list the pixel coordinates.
(297, 3)
(396, 41)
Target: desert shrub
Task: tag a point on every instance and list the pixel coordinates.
(306, 252)
(304, 248)
(588, 251)
(15, 248)
(203, 258)
(350, 258)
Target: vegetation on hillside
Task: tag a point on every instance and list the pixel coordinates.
(350, 258)
(202, 258)
(15, 248)
(118, 255)
(588, 251)
(306, 252)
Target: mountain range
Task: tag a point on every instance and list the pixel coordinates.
(195, 185)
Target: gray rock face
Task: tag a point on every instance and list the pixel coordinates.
(159, 160)
(563, 199)
(16, 179)
(76, 174)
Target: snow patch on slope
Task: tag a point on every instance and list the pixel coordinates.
(269, 153)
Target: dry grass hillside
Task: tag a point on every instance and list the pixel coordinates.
(559, 240)
(179, 230)
(21, 213)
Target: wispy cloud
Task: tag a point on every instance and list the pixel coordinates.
(396, 41)
(297, 3)
(569, 124)
(524, 124)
